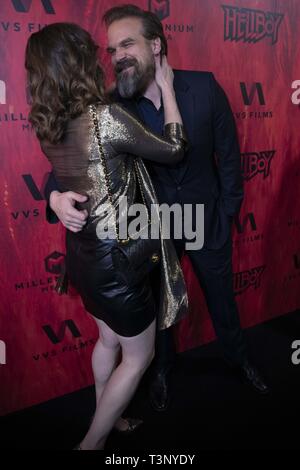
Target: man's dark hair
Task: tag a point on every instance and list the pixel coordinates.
(152, 27)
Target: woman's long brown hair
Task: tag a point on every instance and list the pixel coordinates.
(64, 77)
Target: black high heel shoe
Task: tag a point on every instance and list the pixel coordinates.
(131, 425)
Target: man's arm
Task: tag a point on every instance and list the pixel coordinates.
(227, 151)
(60, 206)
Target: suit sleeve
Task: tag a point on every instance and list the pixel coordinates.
(133, 137)
(227, 151)
(51, 185)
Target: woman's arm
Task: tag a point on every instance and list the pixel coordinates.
(133, 137)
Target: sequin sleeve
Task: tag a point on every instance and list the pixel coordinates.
(133, 137)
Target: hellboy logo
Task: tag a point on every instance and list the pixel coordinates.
(247, 25)
(244, 279)
(256, 162)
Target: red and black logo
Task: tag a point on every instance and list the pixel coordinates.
(254, 163)
(248, 220)
(244, 279)
(23, 6)
(161, 8)
(255, 90)
(57, 337)
(248, 25)
(54, 262)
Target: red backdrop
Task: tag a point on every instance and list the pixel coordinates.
(251, 46)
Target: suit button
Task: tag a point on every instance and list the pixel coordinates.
(178, 188)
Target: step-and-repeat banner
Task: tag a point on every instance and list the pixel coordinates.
(252, 48)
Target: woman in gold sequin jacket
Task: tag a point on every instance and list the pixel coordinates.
(67, 88)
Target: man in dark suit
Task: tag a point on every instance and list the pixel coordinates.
(210, 174)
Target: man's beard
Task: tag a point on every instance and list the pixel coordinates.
(133, 82)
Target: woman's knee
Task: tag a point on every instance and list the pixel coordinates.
(139, 363)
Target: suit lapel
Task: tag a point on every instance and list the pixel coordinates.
(186, 105)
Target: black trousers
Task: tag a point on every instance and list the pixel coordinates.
(214, 271)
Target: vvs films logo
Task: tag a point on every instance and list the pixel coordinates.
(253, 95)
(37, 195)
(59, 335)
(246, 230)
(23, 6)
(26, 8)
(248, 25)
(254, 163)
(244, 279)
(160, 8)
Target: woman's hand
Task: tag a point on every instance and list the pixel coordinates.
(164, 75)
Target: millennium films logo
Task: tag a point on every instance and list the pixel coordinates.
(54, 262)
(60, 337)
(245, 230)
(53, 265)
(253, 95)
(250, 26)
(243, 280)
(26, 7)
(256, 163)
(162, 9)
(296, 94)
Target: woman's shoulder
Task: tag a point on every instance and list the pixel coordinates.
(111, 108)
(113, 114)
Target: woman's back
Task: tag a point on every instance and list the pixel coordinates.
(78, 166)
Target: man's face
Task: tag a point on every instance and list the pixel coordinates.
(131, 55)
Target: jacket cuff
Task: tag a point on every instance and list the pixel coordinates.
(176, 130)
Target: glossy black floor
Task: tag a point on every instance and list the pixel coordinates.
(210, 409)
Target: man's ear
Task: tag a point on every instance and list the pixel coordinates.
(156, 46)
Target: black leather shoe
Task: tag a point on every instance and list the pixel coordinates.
(159, 391)
(250, 375)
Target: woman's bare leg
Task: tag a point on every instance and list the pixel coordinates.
(137, 353)
(104, 358)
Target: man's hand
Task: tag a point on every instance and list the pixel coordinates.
(63, 206)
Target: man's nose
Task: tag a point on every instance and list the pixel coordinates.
(120, 55)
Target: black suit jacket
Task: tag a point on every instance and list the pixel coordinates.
(210, 173)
